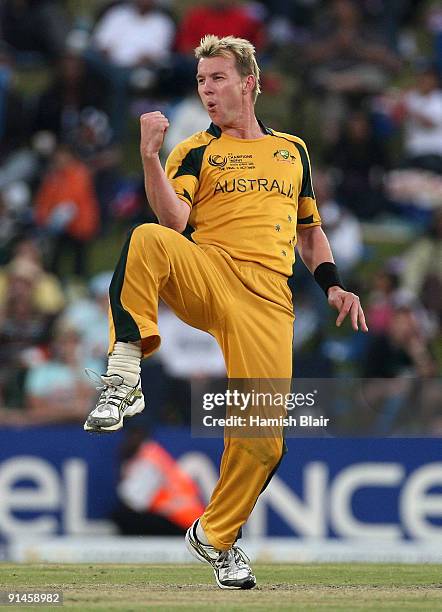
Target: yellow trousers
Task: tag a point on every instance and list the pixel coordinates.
(247, 308)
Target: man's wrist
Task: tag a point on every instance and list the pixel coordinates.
(327, 276)
(333, 287)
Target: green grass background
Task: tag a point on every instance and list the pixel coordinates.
(331, 587)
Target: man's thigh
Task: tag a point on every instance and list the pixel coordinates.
(194, 288)
(256, 340)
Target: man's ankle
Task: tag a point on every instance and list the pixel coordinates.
(125, 361)
(201, 535)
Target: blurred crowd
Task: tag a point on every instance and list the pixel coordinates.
(360, 81)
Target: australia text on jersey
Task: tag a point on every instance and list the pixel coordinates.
(242, 185)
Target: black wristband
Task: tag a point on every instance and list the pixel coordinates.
(326, 275)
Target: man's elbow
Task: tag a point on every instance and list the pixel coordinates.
(175, 217)
(178, 224)
(309, 236)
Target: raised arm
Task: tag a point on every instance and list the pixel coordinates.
(315, 252)
(169, 209)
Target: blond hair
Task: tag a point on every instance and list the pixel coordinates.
(242, 50)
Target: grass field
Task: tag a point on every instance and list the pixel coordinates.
(331, 587)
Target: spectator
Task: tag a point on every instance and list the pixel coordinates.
(131, 43)
(156, 496)
(135, 33)
(402, 349)
(88, 316)
(359, 160)
(35, 27)
(23, 328)
(14, 217)
(345, 62)
(47, 295)
(8, 229)
(92, 141)
(12, 118)
(402, 356)
(16, 161)
(433, 18)
(57, 390)
(72, 89)
(66, 208)
(422, 271)
(385, 287)
(222, 18)
(289, 22)
(421, 111)
(341, 226)
(312, 316)
(389, 17)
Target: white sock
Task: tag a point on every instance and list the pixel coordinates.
(200, 534)
(125, 361)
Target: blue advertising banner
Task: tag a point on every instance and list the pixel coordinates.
(59, 480)
(55, 480)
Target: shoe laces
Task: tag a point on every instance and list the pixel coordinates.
(239, 557)
(106, 384)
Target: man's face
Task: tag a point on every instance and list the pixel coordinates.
(220, 88)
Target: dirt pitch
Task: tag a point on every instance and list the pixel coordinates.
(331, 587)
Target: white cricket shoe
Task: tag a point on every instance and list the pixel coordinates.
(117, 400)
(231, 567)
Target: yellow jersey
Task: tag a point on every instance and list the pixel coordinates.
(248, 197)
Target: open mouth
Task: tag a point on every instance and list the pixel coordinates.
(211, 106)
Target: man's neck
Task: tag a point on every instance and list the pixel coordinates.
(248, 130)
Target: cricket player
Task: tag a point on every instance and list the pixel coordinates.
(247, 192)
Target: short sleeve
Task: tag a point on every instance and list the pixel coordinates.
(308, 214)
(183, 168)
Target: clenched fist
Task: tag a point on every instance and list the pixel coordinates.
(153, 128)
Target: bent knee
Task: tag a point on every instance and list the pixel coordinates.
(150, 233)
(149, 230)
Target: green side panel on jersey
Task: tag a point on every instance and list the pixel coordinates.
(307, 187)
(191, 163)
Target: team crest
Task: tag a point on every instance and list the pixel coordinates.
(217, 161)
(283, 155)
